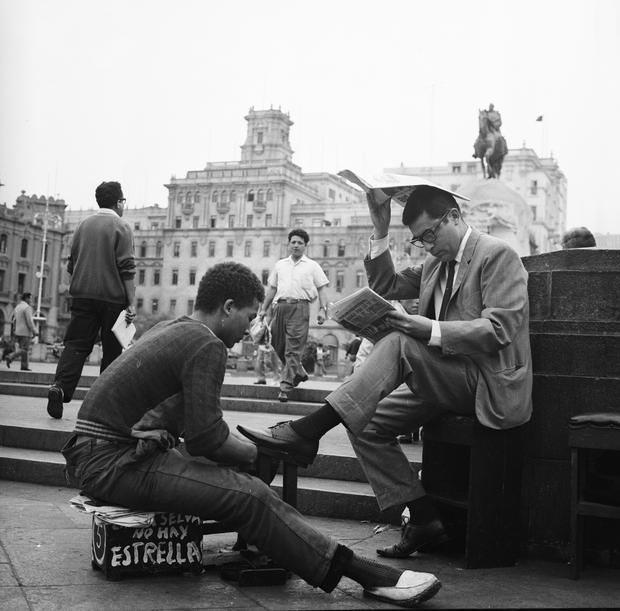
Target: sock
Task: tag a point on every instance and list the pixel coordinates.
(316, 424)
(422, 511)
(371, 574)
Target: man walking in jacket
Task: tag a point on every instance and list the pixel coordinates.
(102, 268)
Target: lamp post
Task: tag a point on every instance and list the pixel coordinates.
(47, 218)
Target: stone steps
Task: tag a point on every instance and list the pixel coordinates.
(333, 486)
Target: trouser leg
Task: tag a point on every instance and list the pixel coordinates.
(449, 383)
(171, 482)
(110, 346)
(79, 341)
(387, 468)
(260, 364)
(296, 330)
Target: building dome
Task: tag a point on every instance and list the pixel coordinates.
(500, 211)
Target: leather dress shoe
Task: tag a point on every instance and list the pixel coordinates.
(282, 397)
(260, 382)
(416, 538)
(283, 439)
(411, 589)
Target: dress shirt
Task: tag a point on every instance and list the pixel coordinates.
(297, 279)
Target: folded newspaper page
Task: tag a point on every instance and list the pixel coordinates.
(122, 331)
(398, 186)
(113, 514)
(363, 312)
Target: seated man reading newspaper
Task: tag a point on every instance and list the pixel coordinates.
(168, 385)
(466, 352)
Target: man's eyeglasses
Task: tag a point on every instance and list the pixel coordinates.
(430, 235)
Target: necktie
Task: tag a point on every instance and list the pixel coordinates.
(448, 292)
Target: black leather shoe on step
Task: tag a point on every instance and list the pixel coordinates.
(416, 538)
(283, 439)
(55, 398)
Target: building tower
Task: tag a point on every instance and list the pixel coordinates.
(268, 137)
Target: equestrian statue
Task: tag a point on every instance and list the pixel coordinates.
(490, 146)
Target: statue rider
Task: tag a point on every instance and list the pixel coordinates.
(494, 119)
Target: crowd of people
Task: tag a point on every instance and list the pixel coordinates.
(459, 343)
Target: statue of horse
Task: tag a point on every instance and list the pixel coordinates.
(490, 147)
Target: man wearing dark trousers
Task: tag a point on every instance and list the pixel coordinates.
(24, 332)
(102, 268)
(468, 353)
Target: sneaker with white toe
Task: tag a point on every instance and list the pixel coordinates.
(411, 589)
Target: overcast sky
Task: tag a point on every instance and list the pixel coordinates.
(137, 91)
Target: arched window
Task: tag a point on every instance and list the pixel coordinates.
(341, 248)
(3, 243)
(260, 197)
(143, 249)
(214, 197)
(24, 249)
(158, 248)
(251, 195)
(224, 197)
(269, 195)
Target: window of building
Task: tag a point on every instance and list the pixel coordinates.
(156, 277)
(229, 248)
(326, 272)
(259, 137)
(533, 209)
(176, 249)
(195, 220)
(193, 249)
(268, 220)
(175, 277)
(158, 248)
(3, 243)
(143, 249)
(190, 307)
(180, 198)
(45, 249)
(154, 306)
(233, 196)
(21, 283)
(2, 276)
(260, 196)
(339, 281)
(249, 220)
(213, 222)
(139, 303)
(192, 277)
(136, 226)
(250, 195)
(24, 248)
(211, 249)
(326, 249)
(224, 197)
(173, 307)
(266, 248)
(231, 220)
(247, 249)
(534, 187)
(265, 276)
(331, 194)
(188, 198)
(360, 279)
(177, 222)
(141, 275)
(456, 169)
(214, 197)
(315, 222)
(269, 195)
(341, 248)
(196, 197)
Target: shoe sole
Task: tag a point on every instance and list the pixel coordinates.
(276, 452)
(425, 547)
(54, 405)
(409, 603)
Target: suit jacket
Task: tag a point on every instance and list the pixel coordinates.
(487, 321)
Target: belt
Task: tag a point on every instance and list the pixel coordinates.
(289, 300)
(97, 440)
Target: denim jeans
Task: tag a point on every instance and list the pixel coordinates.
(167, 481)
(89, 318)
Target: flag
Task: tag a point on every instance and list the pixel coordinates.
(539, 118)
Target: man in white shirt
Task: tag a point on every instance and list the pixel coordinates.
(24, 331)
(466, 352)
(294, 284)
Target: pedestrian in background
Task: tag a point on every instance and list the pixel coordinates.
(24, 332)
(294, 283)
(102, 268)
(578, 237)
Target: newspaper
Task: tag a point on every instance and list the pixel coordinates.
(397, 186)
(112, 514)
(363, 312)
(123, 332)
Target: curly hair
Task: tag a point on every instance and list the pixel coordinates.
(302, 233)
(107, 194)
(228, 281)
(431, 200)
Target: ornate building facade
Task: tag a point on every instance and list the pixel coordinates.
(21, 253)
